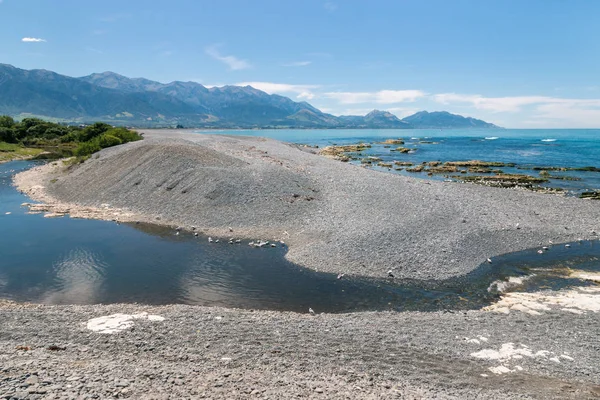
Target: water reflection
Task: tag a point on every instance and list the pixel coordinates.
(64, 261)
(77, 278)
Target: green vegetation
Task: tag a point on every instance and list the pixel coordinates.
(34, 137)
(11, 151)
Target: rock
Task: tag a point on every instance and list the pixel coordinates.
(122, 383)
(32, 380)
(319, 390)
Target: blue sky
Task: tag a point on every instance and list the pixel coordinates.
(517, 63)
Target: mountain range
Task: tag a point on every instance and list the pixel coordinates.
(119, 100)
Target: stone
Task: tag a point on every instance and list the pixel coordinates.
(122, 383)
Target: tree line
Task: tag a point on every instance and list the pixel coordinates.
(35, 132)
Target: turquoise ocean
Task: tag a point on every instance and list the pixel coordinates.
(527, 148)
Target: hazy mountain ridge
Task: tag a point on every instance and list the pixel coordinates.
(443, 119)
(118, 99)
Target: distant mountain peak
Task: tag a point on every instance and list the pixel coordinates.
(114, 98)
(379, 113)
(444, 119)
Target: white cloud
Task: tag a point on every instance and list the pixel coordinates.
(306, 96)
(304, 92)
(495, 104)
(32, 40)
(297, 64)
(234, 63)
(542, 110)
(330, 6)
(380, 97)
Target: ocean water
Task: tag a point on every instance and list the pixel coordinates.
(526, 148)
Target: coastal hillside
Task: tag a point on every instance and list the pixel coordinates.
(119, 100)
(443, 119)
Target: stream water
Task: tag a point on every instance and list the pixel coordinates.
(75, 261)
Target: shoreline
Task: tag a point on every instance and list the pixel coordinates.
(524, 346)
(334, 217)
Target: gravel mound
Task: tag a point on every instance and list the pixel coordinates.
(335, 217)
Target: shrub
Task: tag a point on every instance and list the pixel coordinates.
(6, 121)
(94, 131)
(107, 140)
(87, 148)
(8, 135)
(124, 134)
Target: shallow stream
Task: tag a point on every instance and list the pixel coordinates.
(75, 261)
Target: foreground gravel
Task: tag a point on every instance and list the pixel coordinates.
(335, 217)
(46, 352)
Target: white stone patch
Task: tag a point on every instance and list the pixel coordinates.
(588, 276)
(116, 323)
(508, 352)
(477, 340)
(501, 369)
(577, 301)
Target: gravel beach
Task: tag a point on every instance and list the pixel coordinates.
(47, 352)
(337, 218)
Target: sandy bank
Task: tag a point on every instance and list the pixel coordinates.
(335, 217)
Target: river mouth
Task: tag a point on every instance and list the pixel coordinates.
(74, 261)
